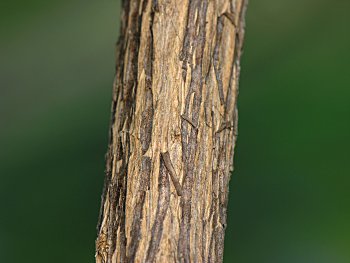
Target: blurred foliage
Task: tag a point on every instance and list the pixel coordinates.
(289, 197)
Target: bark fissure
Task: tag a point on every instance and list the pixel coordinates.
(173, 118)
(162, 208)
(189, 139)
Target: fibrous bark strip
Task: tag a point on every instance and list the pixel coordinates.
(173, 132)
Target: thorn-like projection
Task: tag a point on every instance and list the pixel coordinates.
(173, 176)
(189, 121)
(224, 126)
(231, 17)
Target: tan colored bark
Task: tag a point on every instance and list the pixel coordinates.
(173, 132)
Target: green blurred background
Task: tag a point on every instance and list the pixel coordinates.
(289, 196)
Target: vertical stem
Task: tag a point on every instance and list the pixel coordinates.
(175, 92)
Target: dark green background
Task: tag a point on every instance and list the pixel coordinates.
(289, 196)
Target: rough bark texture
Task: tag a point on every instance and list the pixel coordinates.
(173, 132)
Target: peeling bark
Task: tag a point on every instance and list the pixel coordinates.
(173, 132)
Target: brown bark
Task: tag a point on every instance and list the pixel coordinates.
(173, 132)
